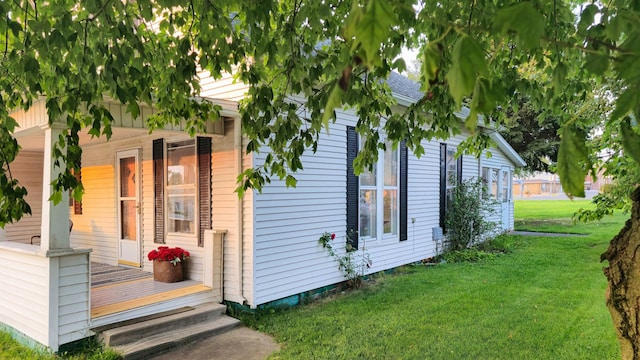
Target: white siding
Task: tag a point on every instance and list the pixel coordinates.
(27, 167)
(48, 299)
(73, 298)
(224, 88)
(36, 116)
(25, 307)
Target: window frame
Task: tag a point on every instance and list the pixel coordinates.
(497, 189)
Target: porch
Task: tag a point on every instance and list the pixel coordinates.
(119, 293)
(53, 299)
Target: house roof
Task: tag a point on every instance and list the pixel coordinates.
(407, 92)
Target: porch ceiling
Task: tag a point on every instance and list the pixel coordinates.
(33, 139)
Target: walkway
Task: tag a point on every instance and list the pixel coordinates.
(536, 233)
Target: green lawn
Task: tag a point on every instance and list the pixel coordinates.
(548, 209)
(86, 350)
(556, 216)
(545, 300)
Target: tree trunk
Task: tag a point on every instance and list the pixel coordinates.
(623, 274)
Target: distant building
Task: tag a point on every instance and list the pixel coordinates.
(546, 184)
(537, 184)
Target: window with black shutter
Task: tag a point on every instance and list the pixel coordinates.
(377, 199)
(182, 173)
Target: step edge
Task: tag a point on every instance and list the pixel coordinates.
(208, 312)
(157, 342)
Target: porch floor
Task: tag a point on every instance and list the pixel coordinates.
(119, 289)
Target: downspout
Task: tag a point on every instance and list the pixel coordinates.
(237, 134)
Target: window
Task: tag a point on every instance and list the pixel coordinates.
(377, 199)
(506, 185)
(450, 176)
(181, 187)
(380, 186)
(490, 181)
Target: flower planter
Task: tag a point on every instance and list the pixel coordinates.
(165, 271)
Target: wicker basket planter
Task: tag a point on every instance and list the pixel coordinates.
(165, 271)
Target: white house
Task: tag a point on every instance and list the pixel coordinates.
(145, 190)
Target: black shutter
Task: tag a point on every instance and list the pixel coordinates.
(204, 186)
(352, 188)
(443, 183)
(158, 188)
(459, 168)
(404, 158)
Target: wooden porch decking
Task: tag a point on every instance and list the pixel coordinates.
(119, 293)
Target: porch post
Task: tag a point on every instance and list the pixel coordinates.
(54, 228)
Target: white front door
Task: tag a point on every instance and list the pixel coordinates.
(505, 197)
(128, 197)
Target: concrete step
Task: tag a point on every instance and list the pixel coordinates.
(162, 342)
(133, 330)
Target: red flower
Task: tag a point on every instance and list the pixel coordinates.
(333, 236)
(165, 253)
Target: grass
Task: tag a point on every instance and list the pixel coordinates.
(556, 216)
(85, 350)
(544, 300)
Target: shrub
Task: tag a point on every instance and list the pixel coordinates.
(498, 244)
(352, 265)
(466, 223)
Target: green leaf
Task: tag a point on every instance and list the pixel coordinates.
(15, 27)
(431, 62)
(523, 19)
(291, 181)
(334, 101)
(572, 157)
(627, 101)
(587, 17)
(374, 28)
(471, 122)
(56, 197)
(399, 64)
(560, 75)
(596, 63)
(134, 109)
(486, 95)
(10, 124)
(467, 62)
(630, 139)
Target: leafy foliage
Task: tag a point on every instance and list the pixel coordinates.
(533, 135)
(303, 59)
(351, 264)
(466, 215)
